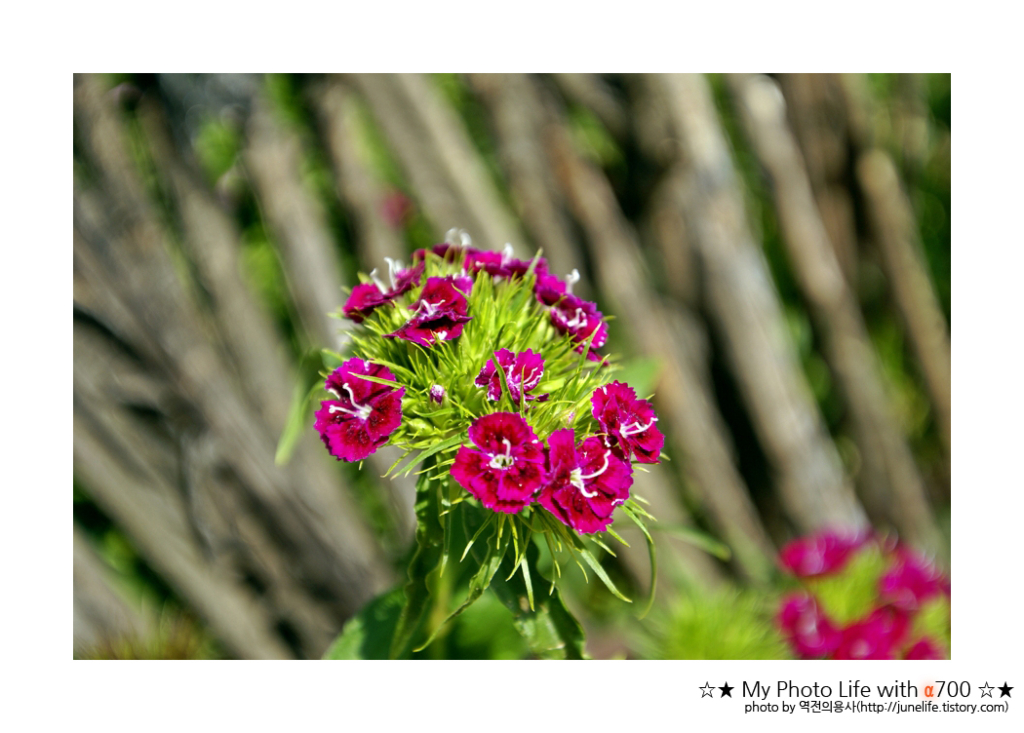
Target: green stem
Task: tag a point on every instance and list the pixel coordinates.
(549, 629)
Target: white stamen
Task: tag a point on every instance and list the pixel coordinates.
(503, 460)
(571, 279)
(601, 470)
(635, 428)
(429, 308)
(578, 319)
(466, 239)
(525, 380)
(377, 281)
(394, 267)
(506, 253)
(361, 412)
(577, 477)
(334, 392)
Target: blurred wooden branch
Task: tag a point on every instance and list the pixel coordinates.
(312, 265)
(685, 407)
(517, 112)
(745, 308)
(102, 615)
(125, 281)
(358, 190)
(891, 484)
(431, 144)
(895, 231)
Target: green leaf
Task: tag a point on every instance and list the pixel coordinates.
(651, 554)
(592, 561)
(697, 538)
(368, 634)
(429, 540)
(480, 581)
(433, 450)
(549, 629)
(296, 424)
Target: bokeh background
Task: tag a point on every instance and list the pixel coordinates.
(775, 252)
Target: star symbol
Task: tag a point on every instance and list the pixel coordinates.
(726, 690)
(1005, 690)
(986, 689)
(705, 691)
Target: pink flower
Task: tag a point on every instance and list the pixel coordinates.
(878, 636)
(924, 649)
(550, 289)
(364, 413)
(585, 483)
(821, 554)
(437, 393)
(499, 264)
(506, 469)
(912, 580)
(396, 209)
(628, 422)
(522, 373)
(439, 313)
(809, 632)
(579, 319)
(366, 297)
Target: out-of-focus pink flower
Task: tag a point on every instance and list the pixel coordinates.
(585, 482)
(823, 553)
(506, 468)
(363, 414)
(878, 636)
(806, 627)
(912, 580)
(395, 209)
(440, 313)
(522, 373)
(924, 649)
(628, 422)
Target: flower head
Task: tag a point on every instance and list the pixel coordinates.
(808, 630)
(363, 414)
(522, 373)
(912, 581)
(924, 649)
(506, 469)
(366, 297)
(821, 554)
(500, 264)
(627, 421)
(579, 319)
(549, 289)
(878, 636)
(439, 313)
(437, 393)
(585, 482)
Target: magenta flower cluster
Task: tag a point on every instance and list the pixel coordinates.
(508, 467)
(885, 632)
(570, 315)
(503, 463)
